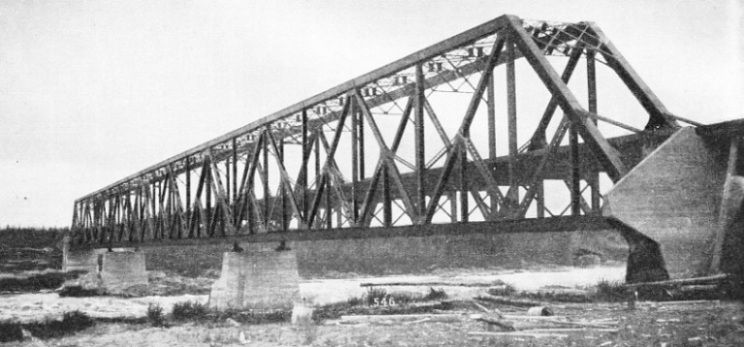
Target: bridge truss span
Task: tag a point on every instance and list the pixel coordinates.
(433, 139)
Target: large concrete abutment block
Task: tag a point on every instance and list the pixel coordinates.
(672, 198)
(257, 279)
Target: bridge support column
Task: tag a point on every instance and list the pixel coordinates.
(122, 270)
(79, 260)
(117, 270)
(257, 279)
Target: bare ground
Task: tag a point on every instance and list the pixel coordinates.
(708, 323)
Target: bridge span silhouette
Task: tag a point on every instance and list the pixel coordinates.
(499, 129)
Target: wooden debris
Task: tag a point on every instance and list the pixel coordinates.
(418, 321)
(599, 325)
(496, 321)
(698, 287)
(524, 317)
(446, 318)
(517, 333)
(485, 309)
(529, 323)
(508, 301)
(569, 330)
(683, 302)
(681, 281)
(433, 284)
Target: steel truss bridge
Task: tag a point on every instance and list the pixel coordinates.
(420, 146)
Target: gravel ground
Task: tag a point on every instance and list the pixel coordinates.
(707, 323)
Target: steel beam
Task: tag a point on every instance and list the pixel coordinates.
(539, 225)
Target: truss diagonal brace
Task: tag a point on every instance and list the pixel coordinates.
(538, 139)
(605, 153)
(463, 130)
(221, 194)
(387, 155)
(287, 185)
(659, 116)
(179, 206)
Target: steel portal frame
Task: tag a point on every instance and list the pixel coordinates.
(243, 187)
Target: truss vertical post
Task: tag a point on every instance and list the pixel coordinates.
(360, 137)
(235, 172)
(265, 180)
(353, 216)
(512, 196)
(303, 170)
(464, 208)
(540, 192)
(138, 213)
(151, 195)
(573, 139)
(491, 104)
(328, 204)
(228, 176)
(208, 196)
(283, 186)
(490, 92)
(387, 207)
(591, 78)
(419, 100)
(188, 192)
(251, 191)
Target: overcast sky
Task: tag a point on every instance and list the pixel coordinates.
(92, 91)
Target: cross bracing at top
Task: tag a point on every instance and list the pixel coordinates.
(421, 145)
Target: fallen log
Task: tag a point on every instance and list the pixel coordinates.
(680, 281)
(519, 325)
(684, 302)
(433, 284)
(524, 317)
(699, 287)
(444, 318)
(485, 309)
(561, 319)
(418, 321)
(577, 324)
(517, 333)
(509, 301)
(571, 330)
(494, 320)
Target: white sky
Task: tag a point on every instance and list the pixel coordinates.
(92, 91)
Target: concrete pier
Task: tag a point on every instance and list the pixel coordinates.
(122, 270)
(257, 279)
(115, 271)
(86, 260)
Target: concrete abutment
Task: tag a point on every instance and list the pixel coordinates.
(675, 209)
